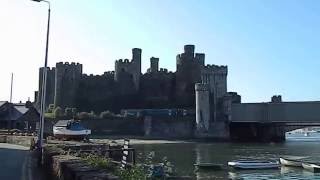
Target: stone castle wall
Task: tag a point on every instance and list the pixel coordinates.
(127, 87)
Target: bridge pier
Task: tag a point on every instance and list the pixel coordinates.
(257, 132)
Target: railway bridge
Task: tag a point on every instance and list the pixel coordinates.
(270, 121)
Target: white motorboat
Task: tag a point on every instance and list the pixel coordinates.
(254, 164)
(295, 162)
(313, 167)
(70, 129)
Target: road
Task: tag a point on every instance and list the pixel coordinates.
(16, 163)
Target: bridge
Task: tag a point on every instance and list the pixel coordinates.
(270, 121)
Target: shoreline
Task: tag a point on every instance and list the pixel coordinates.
(139, 141)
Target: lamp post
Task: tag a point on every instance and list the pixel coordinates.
(44, 84)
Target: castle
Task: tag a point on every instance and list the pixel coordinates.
(127, 87)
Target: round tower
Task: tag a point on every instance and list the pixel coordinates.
(202, 108)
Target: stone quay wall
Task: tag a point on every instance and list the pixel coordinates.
(19, 140)
(60, 166)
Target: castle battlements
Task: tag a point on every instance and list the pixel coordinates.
(215, 69)
(189, 56)
(69, 87)
(68, 64)
(108, 73)
(163, 70)
(123, 61)
(48, 69)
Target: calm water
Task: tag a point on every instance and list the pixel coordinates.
(184, 155)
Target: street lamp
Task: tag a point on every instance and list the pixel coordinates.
(44, 84)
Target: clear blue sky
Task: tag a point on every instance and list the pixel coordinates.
(270, 46)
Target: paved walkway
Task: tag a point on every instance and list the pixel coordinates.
(16, 163)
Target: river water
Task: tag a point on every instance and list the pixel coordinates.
(184, 155)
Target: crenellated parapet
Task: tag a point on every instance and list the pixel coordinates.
(188, 57)
(214, 69)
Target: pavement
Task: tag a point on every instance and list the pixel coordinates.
(17, 163)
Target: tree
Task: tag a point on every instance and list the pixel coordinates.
(92, 115)
(50, 108)
(58, 112)
(68, 112)
(83, 115)
(106, 114)
(74, 111)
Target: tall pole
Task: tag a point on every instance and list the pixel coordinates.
(11, 88)
(44, 86)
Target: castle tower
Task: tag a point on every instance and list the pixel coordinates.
(49, 89)
(188, 73)
(200, 57)
(126, 70)
(189, 51)
(67, 79)
(154, 64)
(202, 108)
(136, 71)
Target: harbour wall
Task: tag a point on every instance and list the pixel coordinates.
(150, 127)
(60, 166)
(18, 140)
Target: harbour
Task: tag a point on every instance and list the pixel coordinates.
(184, 155)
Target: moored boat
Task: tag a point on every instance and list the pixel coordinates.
(290, 162)
(70, 129)
(254, 164)
(313, 167)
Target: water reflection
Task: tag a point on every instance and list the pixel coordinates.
(185, 155)
(204, 154)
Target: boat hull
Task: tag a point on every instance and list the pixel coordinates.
(290, 162)
(63, 133)
(253, 165)
(311, 167)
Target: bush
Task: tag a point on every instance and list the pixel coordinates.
(49, 115)
(68, 112)
(98, 162)
(134, 173)
(50, 108)
(83, 115)
(58, 112)
(74, 111)
(92, 115)
(106, 114)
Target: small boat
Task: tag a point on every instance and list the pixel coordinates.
(291, 162)
(254, 164)
(208, 166)
(313, 167)
(70, 129)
